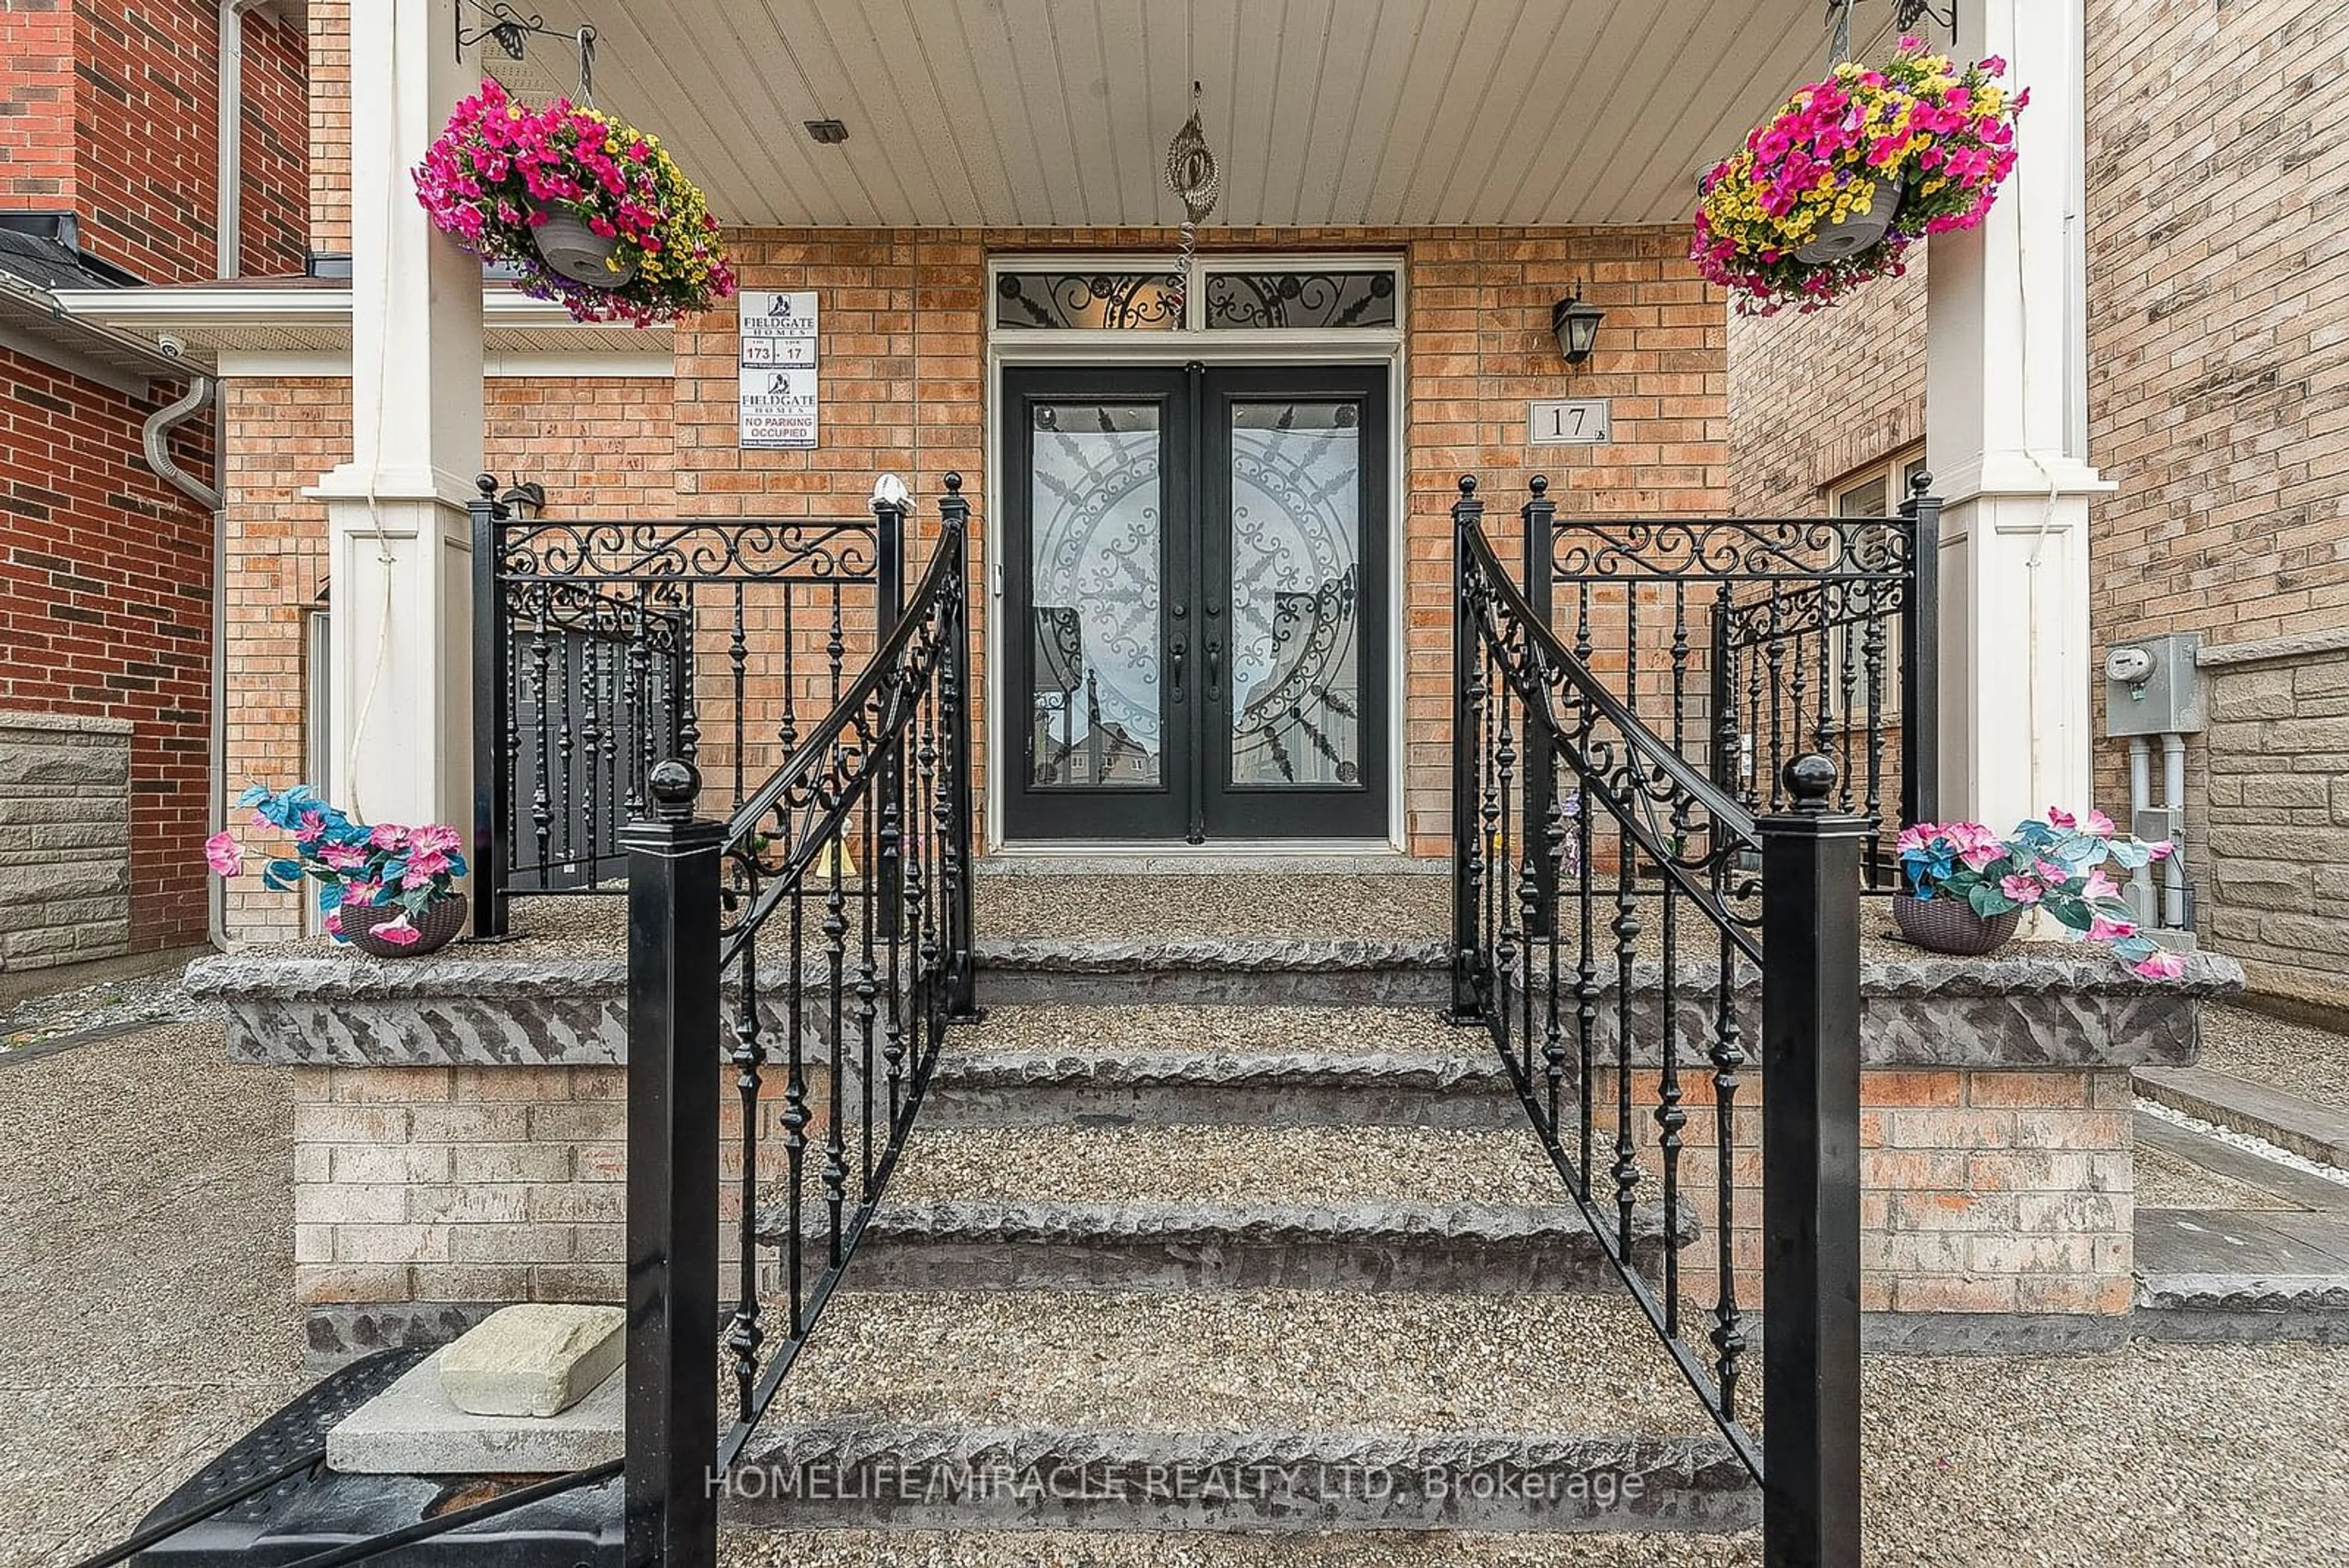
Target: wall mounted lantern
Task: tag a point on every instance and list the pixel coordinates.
(1575, 326)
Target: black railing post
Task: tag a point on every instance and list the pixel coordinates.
(1921, 659)
(1723, 695)
(954, 698)
(492, 697)
(1541, 761)
(1468, 512)
(890, 508)
(1810, 1174)
(671, 1510)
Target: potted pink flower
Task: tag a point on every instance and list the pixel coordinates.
(383, 889)
(587, 209)
(1833, 189)
(1968, 887)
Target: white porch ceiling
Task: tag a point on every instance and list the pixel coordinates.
(1058, 112)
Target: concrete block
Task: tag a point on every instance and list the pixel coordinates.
(413, 1428)
(539, 1358)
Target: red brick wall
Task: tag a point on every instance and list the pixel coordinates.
(37, 158)
(112, 112)
(274, 204)
(106, 608)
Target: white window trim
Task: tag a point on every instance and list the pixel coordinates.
(1266, 339)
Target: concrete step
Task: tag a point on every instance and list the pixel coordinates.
(2235, 1244)
(1259, 1066)
(1212, 1549)
(1259, 1410)
(2311, 1130)
(1225, 1207)
(1239, 971)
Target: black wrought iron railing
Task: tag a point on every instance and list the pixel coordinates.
(1638, 946)
(1749, 641)
(604, 645)
(817, 942)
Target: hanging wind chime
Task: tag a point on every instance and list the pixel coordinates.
(1191, 175)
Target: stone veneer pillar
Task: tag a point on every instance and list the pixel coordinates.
(2005, 406)
(399, 536)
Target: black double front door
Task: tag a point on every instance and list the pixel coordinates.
(1196, 599)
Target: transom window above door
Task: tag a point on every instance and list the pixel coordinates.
(1234, 293)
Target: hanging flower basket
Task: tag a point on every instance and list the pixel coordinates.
(1849, 173)
(587, 209)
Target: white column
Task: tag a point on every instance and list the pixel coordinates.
(395, 512)
(2005, 403)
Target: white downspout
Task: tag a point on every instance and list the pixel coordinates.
(228, 240)
(154, 438)
(227, 210)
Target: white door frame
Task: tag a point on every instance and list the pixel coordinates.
(1270, 346)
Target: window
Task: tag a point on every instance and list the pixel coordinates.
(1225, 294)
(1876, 491)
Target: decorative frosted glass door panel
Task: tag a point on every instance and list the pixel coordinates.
(1297, 599)
(1198, 600)
(1096, 548)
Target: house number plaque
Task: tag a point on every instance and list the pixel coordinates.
(1574, 422)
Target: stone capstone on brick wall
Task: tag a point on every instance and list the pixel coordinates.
(2029, 1007)
(64, 839)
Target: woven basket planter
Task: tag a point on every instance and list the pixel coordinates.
(1949, 925)
(441, 923)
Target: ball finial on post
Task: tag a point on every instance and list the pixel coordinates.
(1540, 486)
(1810, 779)
(674, 783)
(1467, 485)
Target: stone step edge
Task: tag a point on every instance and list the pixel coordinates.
(1252, 955)
(874, 1474)
(982, 1067)
(1049, 1222)
(2242, 1309)
(2310, 1130)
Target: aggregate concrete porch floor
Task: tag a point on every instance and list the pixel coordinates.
(1010, 906)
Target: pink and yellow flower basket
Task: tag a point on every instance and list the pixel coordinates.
(501, 171)
(1933, 138)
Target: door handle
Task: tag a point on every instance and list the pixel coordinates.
(1175, 651)
(1215, 669)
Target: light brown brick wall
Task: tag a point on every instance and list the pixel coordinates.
(1983, 1191)
(903, 314)
(2217, 366)
(330, 126)
(600, 445)
(1813, 397)
(486, 1184)
(904, 384)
